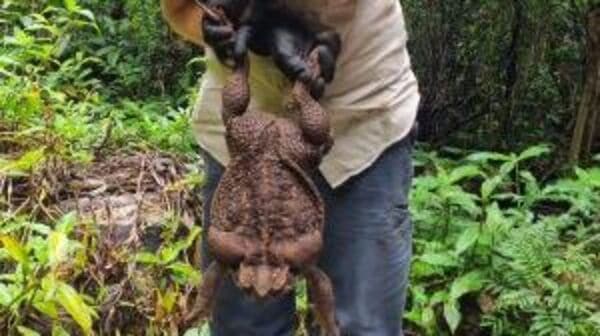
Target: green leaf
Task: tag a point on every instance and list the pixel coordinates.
(6, 60)
(40, 228)
(192, 332)
(533, 152)
(24, 331)
(67, 223)
(203, 331)
(489, 186)
(452, 315)
(428, 317)
(59, 331)
(27, 162)
(191, 238)
(46, 307)
(487, 156)
(496, 225)
(168, 300)
(147, 258)
(440, 259)
(14, 249)
(470, 282)
(531, 184)
(74, 304)
(71, 5)
(590, 177)
(421, 269)
(186, 272)
(439, 297)
(58, 245)
(467, 239)
(87, 14)
(595, 319)
(507, 167)
(463, 172)
(464, 200)
(6, 296)
(170, 253)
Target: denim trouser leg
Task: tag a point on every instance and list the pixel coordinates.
(366, 254)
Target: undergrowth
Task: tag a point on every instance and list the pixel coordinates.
(497, 249)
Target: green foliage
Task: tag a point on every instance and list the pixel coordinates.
(36, 259)
(165, 260)
(493, 241)
(78, 79)
(497, 74)
(42, 267)
(70, 81)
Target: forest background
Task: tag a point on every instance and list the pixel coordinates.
(99, 171)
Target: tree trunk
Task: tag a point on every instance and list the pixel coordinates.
(586, 128)
(512, 71)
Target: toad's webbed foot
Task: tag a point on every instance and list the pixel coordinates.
(321, 296)
(202, 309)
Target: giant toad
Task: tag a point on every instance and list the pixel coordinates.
(267, 216)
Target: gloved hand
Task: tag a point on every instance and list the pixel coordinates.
(220, 35)
(271, 33)
(287, 43)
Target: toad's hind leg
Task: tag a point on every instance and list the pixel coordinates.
(236, 92)
(202, 309)
(321, 295)
(313, 120)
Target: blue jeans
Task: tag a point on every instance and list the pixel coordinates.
(367, 252)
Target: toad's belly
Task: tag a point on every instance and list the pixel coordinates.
(265, 207)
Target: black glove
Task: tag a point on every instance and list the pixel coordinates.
(220, 36)
(224, 30)
(274, 33)
(286, 44)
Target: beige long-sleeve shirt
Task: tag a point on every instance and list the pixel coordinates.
(372, 101)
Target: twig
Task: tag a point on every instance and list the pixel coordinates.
(12, 214)
(140, 177)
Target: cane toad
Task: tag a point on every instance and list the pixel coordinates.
(267, 216)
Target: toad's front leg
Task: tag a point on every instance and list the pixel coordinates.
(321, 295)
